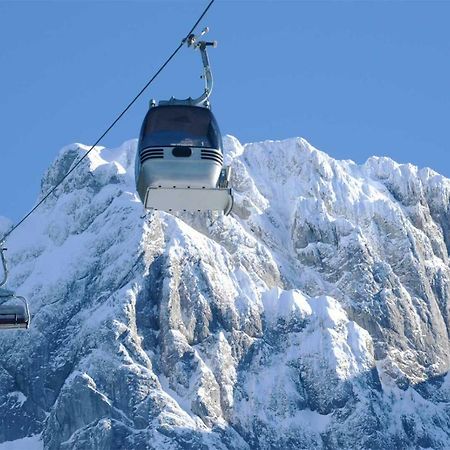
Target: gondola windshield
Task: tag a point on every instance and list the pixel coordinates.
(190, 126)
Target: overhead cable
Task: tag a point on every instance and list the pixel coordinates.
(163, 66)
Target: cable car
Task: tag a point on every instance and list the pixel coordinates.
(179, 160)
(14, 311)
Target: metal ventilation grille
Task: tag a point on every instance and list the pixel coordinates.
(213, 155)
(152, 153)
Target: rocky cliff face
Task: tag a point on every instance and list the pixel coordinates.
(316, 316)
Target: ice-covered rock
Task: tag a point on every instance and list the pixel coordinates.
(315, 316)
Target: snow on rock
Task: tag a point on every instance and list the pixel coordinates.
(284, 306)
(26, 443)
(315, 316)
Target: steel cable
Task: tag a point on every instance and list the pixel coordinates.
(53, 189)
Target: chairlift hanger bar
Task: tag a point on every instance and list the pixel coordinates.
(163, 66)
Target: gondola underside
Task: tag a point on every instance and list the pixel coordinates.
(189, 199)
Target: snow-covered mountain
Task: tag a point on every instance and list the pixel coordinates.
(316, 316)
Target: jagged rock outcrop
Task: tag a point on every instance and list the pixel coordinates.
(315, 316)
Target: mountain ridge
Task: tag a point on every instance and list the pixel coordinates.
(316, 316)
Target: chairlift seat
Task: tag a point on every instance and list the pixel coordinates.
(14, 316)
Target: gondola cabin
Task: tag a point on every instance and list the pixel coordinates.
(179, 160)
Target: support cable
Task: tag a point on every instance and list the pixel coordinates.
(163, 66)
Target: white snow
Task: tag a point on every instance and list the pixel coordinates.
(271, 272)
(283, 304)
(27, 443)
(19, 397)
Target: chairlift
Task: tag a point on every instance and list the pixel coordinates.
(14, 311)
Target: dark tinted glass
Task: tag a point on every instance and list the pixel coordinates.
(189, 126)
(182, 152)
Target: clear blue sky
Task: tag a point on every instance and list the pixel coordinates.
(354, 78)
